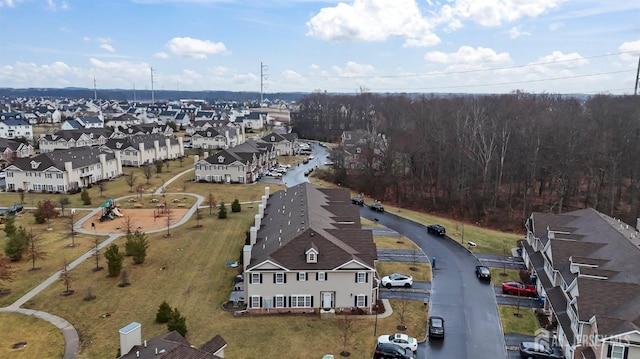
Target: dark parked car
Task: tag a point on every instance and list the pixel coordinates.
(533, 350)
(377, 207)
(519, 288)
(436, 327)
(15, 208)
(391, 351)
(483, 272)
(357, 200)
(436, 229)
(305, 161)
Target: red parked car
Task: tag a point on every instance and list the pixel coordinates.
(519, 288)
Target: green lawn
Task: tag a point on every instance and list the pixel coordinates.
(43, 339)
(394, 242)
(420, 271)
(500, 275)
(526, 323)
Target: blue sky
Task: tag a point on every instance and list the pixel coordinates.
(466, 46)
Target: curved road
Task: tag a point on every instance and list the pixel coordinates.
(469, 306)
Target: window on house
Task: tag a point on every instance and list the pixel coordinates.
(302, 276)
(256, 278)
(256, 301)
(361, 300)
(59, 175)
(617, 351)
(301, 301)
(278, 301)
(361, 277)
(311, 257)
(321, 276)
(279, 278)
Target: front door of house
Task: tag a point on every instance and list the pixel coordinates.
(327, 300)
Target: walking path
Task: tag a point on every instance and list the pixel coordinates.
(71, 338)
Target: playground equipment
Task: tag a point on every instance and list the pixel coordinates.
(109, 209)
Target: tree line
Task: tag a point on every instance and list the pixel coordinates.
(489, 158)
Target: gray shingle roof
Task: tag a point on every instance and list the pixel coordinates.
(80, 157)
(304, 216)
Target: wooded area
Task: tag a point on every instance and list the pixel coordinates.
(487, 158)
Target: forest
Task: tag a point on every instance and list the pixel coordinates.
(491, 159)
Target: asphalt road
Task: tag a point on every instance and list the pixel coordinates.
(469, 307)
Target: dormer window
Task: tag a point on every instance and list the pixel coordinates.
(358, 150)
(273, 138)
(118, 144)
(221, 159)
(35, 165)
(312, 255)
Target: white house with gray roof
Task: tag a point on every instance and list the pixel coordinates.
(308, 252)
(586, 267)
(146, 149)
(239, 164)
(63, 170)
(64, 140)
(15, 127)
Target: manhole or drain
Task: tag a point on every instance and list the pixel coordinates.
(19, 345)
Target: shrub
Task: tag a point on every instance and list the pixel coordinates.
(164, 313)
(86, 200)
(235, 206)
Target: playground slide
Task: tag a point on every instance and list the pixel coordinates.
(117, 212)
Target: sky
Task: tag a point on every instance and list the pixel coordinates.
(348, 46)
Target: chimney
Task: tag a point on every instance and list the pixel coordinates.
(257, 222)
(266, 191)
(264, 200)
(253, 235)
(206, 154)
(261, 210)
(130, 336)
(246, 256)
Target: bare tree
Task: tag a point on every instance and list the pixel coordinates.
(66, 277)
(34, 250)
(7, 273)
(140, 190)
(72, 224)
(198, 218)
(102, 185)
(128, 225)
(211, 201)
(131, 180)
(345, 325)
(146, 170)
(169, 219)
(96, 254)
(403, 306)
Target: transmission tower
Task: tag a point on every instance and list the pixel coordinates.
(635, 92)
(263, 78)
(153, 99)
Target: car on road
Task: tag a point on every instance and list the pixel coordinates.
(435, 327)
(15, 208)
(519, 288)
(357, 200)
(533, 350)
(483, 273)
(436, 229)
(401, 340)
(397, 280)
(305, 161)
(391, 351)
(377, 207)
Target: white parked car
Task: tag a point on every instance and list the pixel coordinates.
(401, 340)
(397, 280)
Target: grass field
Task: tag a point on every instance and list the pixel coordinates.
(43, 339)
(526, 323)
(394, 242)
(498, 275)
(421, 271)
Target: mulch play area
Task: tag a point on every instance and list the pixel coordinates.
(144, 220)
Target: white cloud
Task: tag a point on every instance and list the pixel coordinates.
(373, 20)
(161, 55)
(353, 69)
(194, 48)
(469, 58)
(515, 32)
(7, 3)
(52, 5)
(628, 47)
(555, 26)
(494, 12)
(27, 74)
(558, 59)
(219, 70)
(107, 47)
(291, 75)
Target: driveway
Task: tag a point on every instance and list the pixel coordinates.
(472, 323)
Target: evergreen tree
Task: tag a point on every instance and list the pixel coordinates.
(164, 313)
(235, 206)
(222, 211)
(177, 322)
(136, 246)
(114, 260)
(16, 244)
(86, 200)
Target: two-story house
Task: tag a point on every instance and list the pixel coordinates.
(239, 164)
(218, 137)
(73, 138)
(284, 144)
(13, 127)
(9, 150)
(63, 170)
(585, 265)
(145, 149)
(307, 252)
(123, 121)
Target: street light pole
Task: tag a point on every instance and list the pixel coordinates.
(463, 233)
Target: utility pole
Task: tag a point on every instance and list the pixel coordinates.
(635, 92)
(153, 100)
(263, 78)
